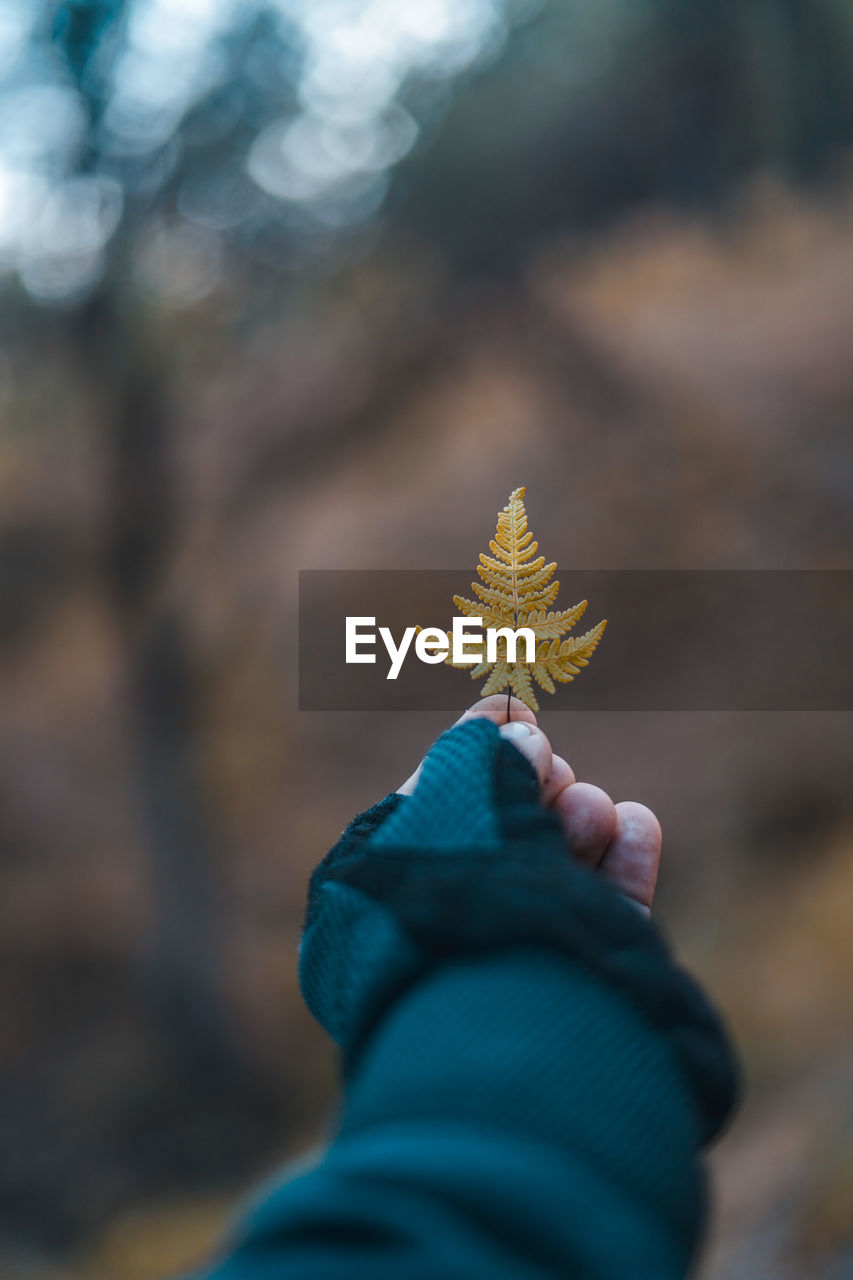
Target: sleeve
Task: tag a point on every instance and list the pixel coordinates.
(528, 1077)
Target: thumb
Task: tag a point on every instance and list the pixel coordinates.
(533, 745)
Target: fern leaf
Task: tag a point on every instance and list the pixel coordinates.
(501, 676)
(563, 660)
(549, 626)
(540, 675)
(516, 589)
(521, 684)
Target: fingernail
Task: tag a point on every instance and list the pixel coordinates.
(641, 906)
(515, 729)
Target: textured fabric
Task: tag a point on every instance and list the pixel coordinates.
(528, 1076)
(521, 889)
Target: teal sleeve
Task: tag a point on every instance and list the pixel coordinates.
(528, 1077)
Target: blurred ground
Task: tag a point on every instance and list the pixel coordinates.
(677, 397)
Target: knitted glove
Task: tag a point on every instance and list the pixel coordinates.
(472, 862)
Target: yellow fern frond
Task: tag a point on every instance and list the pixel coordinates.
(547, 626)
(517, 589)
(501, 676)
(562, 661)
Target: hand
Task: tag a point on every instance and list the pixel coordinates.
(623, 841)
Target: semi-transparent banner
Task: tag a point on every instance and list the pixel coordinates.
(676, 640)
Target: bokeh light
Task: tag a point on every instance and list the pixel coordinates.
(320, 141)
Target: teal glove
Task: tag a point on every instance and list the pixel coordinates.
(473, 863)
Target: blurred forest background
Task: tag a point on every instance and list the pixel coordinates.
(313, 284)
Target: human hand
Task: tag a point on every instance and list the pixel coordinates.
(623, 841)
